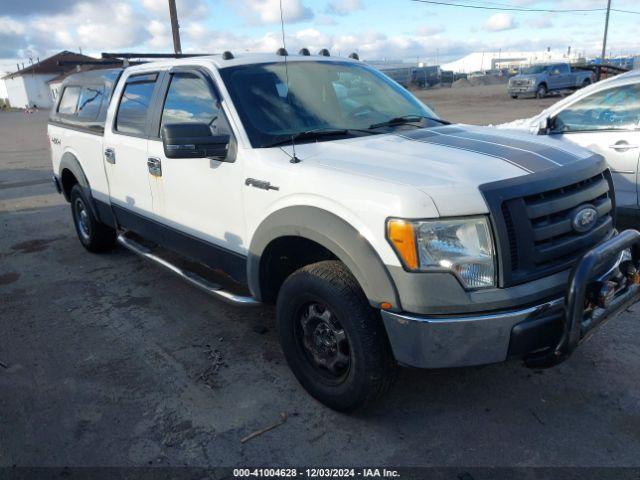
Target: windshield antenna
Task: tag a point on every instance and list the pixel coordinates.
(294, 158)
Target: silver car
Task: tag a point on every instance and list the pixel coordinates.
(605, 118)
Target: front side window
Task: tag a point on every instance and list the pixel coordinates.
(317, 96)
(617, 108)
(134, 105)
(190, 100)
(536, 69)
(90, 102)
(69, 101)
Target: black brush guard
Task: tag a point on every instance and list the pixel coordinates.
(577, 325)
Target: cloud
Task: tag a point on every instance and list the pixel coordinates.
(11, 37)
(92, 26)
(160, 35)
(429, 30)
(539, 22)
(325, 20)
(263, 12)
(343, 7)
(499, 22)
(19, 8)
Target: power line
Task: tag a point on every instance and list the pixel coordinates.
(511, 8)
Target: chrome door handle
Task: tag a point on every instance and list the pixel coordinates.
(155, 166)
(623, 146)
(110, 155)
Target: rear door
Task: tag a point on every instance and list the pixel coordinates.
(125, 149)
(608, 122)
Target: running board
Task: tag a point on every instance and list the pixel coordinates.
(193, 278)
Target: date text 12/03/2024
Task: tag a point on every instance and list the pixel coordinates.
(316, 473)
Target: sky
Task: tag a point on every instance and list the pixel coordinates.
(376, 29)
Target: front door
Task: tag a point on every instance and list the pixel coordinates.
(608, 122)
(555, 78)
(125, 149)
(201, 197)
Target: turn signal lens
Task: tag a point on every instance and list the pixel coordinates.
(402, 236)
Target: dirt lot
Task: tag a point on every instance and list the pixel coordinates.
(482, 105)
(107, 360)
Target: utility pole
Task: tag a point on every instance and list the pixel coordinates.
(604, 41)
(175, 27)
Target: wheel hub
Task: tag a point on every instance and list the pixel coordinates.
(324, 340)
(82, 219)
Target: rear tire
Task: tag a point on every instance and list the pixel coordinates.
(586, 83)
(332, 339)
(542, 91)
(94, 235)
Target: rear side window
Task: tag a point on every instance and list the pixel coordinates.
(134, 105)
(90, 102)
(69, 101)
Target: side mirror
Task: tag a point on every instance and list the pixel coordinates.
(545, 126)
(194, 140)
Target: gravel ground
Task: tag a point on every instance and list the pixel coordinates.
(482, 105)
(107, 360)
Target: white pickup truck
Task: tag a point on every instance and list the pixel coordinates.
(383, 234)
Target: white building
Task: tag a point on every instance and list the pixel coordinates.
(483, 61)
(29, 87)
(3, 87)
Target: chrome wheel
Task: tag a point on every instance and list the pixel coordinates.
(82, 219)
(324, 341)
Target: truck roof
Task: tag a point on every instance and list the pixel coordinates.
(240, 59)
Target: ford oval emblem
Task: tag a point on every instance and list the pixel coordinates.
(584, 219)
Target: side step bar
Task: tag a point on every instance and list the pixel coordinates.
(191, 277)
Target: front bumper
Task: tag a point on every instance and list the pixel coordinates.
(519, 89)
(544, 334)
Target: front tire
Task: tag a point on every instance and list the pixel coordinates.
(332, 339)
(542, 91)
(94, 235)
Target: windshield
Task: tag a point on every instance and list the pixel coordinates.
(320, 96)
(535, 70)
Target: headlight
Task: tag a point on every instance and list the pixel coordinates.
(462, 246)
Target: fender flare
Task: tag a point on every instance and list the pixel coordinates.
(70, 162)
(334, 234)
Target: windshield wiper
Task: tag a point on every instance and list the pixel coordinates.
(314, 134)
(405, 120)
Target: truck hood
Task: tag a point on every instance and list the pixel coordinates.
(447, 163)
